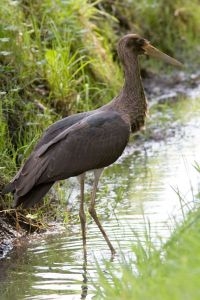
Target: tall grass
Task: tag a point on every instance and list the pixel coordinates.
(53, 63)
(172, 25)
(59, 57)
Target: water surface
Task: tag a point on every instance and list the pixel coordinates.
(136, 191)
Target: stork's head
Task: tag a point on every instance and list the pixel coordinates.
(135, 44)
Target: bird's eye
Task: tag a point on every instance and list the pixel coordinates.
(140, 42)
(135, 42)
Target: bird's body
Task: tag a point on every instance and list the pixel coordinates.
(86, 141)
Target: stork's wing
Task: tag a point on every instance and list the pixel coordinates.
(51, 132)
(59, 126)
(94, 142)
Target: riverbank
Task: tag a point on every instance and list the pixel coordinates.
(136, 196)
(160, 91)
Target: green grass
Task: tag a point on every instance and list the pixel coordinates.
(172, 272)
(59, 57)
(50, 68)
(173, 26)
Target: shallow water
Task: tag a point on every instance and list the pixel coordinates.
(136, 197)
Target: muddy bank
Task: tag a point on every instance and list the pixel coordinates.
(7, 234)
(159, 89)
(15, 224)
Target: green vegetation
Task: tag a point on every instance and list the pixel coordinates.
(59, 57)
(170, 24)
(171, 272)
(53, 63)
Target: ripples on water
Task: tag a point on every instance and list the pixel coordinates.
(139, 191)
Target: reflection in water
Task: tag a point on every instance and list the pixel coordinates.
(138, 189)
(84, 287)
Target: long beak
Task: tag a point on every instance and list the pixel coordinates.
(152, 51)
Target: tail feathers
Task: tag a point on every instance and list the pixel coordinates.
(8, 188)
(33, 196)
(30, 174)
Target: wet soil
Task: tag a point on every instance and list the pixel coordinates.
(7, 235)
(159, 89)
(14, 224)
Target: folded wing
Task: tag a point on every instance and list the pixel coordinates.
(95, 141)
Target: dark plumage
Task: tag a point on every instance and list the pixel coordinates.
(90, 140)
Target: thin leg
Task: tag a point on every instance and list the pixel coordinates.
(82, 212)
(92, 211)
(84, 287)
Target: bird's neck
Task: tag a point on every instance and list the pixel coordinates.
(131, 100)
(131, 71)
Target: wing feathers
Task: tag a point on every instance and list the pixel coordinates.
(60, 137)
(93, 142)
(33, 196)
(30, 174)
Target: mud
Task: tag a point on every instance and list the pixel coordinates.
(7, 235)
(161, 89)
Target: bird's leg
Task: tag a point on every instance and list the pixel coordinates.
(84, 287)
(82, 212)
(92, 211)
